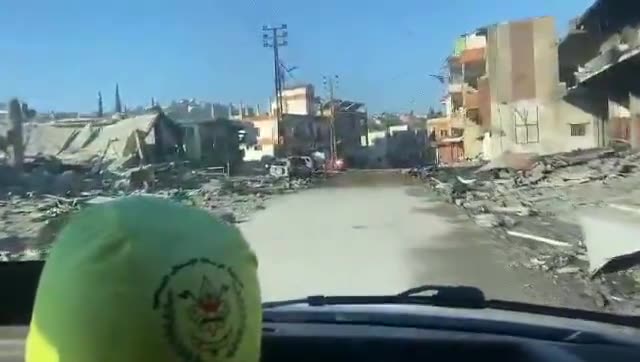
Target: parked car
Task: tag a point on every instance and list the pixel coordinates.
(301, 166)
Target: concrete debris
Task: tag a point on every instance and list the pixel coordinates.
(492, 220)
(538, 238)
(465, 181)
(510, 161)
(487, 220)
(568, 270)
(544, 197)
(36, 203)
(611, 239)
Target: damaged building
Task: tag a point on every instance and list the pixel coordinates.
(401, 146)
(107, 143)
(506, 88)
(599, 62)
(214, 142)
(350, 122)
(299, 134)
(305, 127)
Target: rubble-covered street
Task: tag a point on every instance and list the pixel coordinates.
(32, 216)
(570, 215)
(376, 232)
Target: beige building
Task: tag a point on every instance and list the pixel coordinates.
(530, 110)
(263, 131)
(298, 100)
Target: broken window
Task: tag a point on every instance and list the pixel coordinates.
(526, 125)
(578, 129)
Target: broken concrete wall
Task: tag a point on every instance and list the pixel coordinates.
(544, 128)
(528, 110)
(472, 139)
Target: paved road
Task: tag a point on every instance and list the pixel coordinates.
(370, 234)
(374, 234)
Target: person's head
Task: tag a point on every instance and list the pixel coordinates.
(144, 279)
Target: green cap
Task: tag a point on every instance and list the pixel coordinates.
(143, 279)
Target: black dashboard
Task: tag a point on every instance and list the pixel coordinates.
(359, 342)
(345, 342)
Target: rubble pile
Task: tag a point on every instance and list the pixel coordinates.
(537, 203)
(36, 204)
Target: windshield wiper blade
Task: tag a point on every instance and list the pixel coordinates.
(460, 297)
(435, 295)
(582, 314)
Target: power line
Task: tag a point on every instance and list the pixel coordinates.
(275, 37)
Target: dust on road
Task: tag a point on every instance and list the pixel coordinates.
(379, 233)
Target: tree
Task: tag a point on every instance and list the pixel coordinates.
(100, 109)
(118, 108)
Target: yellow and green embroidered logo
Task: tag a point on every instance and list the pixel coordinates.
(203, 310)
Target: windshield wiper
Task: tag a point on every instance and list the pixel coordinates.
(435, 295)
(460, 297)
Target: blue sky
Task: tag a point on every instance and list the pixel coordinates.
(59, 54)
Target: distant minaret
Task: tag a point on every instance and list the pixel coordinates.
(100, 109)
(118, 101)
(153, 102)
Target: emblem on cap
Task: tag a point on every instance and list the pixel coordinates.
(202, 308)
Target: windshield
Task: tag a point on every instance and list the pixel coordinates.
(362, 149)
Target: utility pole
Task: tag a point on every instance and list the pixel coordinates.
(275, 37)
(331, 83)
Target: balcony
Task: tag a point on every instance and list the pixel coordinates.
(606, 60)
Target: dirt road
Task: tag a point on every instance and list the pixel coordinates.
(375, 233)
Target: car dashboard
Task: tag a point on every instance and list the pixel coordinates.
(361, 342)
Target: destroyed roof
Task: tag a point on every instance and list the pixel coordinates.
(113, 143)
(345, 106)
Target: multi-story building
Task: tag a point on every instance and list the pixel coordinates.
(294, 134)
(529, 109)
(466, 85)
(599, 61)
(298, 100)
(505, 92)
(350, 123)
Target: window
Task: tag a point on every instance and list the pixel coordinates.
(258, 147)
(443, 133)
(578, 130)
(526, 125)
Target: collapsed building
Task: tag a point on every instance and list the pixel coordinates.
(106, 143)
(599, 62)
(506, 92)
(214, 142)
